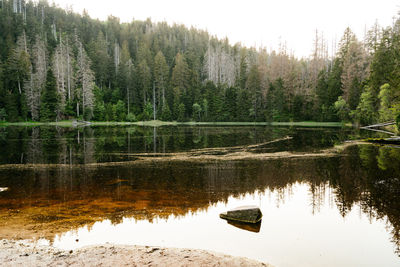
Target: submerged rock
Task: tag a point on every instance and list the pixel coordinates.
(245, 214)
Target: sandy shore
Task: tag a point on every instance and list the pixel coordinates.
(28, 253)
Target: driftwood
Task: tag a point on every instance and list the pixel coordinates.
(377, 130)
(383, 124)
(380, 124)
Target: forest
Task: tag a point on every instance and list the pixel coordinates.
(59, 65)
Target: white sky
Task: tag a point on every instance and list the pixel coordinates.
(254, 22)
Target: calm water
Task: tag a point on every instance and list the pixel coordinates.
(76, 187)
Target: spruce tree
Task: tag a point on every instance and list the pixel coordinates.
(49, 99)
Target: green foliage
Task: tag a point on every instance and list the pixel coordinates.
(3, 114)
(253, 85)
(383, 64)
(70, 109)
(144, 79)
(119, 111)
(365, 112)
(230, 103)
(276, 102)
(186, 73)
(147, 112)
(181, 112)
(131, 117)
(109, 113)
(99, 111)
(244, 105)
(196, 112)
(180, 74)
(205, 108)
(87, 113)
(49, 101)
(342, 108)
(115, 95)
(301, 109)
(322, 91)
(166, 113)
(385, 97)
(355, 93)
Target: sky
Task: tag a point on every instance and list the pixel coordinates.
(258, 23)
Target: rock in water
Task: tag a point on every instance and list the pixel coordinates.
(245, 214)
(251, 227)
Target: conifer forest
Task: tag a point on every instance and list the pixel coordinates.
(59, 65)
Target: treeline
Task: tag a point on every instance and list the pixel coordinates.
(56, 64)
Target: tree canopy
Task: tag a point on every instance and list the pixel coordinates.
(148, 70)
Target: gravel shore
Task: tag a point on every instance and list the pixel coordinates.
(28, 253)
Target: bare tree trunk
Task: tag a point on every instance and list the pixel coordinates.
(19, 87)
(144, 97)
(163, 95)
(25, 46)
(116, 56)
(68, 73)
(154, 101)
(83, 84)
(42, 15)
(24, 15)
(127, 93)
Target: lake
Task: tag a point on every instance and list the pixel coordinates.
(327, 200)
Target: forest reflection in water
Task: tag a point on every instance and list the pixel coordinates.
(56, 145)
(50, 201)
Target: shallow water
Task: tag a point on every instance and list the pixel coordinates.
(341, 209)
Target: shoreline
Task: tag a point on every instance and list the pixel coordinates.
(157, 123)
(29, 253)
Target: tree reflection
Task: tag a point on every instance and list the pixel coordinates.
(45, 145)
(74, 194)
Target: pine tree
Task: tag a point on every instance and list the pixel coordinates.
(98, 52)
(180, 84)
(187, 66)
(161, 72)
(50, 99)
(253, 85)
(386, 98)
(19, 62)
(179, 78)
(354, 70)
(144, 80)
(365, 112)
(196, 112)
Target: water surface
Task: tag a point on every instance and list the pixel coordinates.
(323, 210)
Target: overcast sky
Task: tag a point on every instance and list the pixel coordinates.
(254, 22)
